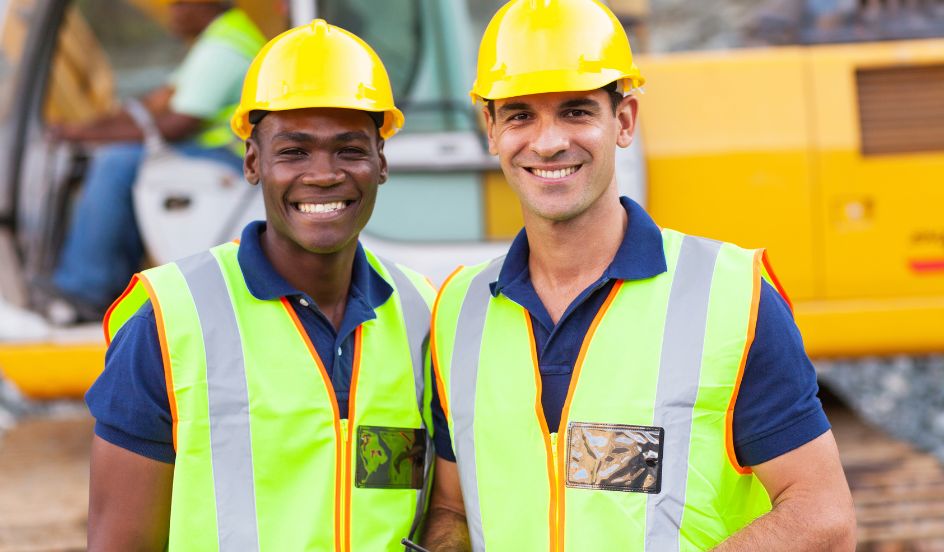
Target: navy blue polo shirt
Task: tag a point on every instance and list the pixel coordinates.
(777, 409)
(129, 399)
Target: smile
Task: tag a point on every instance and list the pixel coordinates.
(322, 208)
(554, 174)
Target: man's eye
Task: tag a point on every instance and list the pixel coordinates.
(352, 151)
(519, 117)
(576, 113)
(292, 152)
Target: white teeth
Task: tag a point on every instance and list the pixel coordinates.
(561, 173)
(321, 207)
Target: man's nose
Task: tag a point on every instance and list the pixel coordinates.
(549, 140)
(322, 171)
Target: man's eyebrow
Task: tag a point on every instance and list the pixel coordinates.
(352, 136)
(293, 136)
(514, 106)
(304, 137)
(581, 102)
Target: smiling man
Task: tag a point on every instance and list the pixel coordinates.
(610, 385)
(270, 395)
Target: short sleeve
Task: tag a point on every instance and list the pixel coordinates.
(209, 79)
(777, 408)
(129, 399)
(440, 427)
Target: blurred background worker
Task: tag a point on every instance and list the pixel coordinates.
(103, 246)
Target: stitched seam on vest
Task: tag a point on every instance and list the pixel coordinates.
(228, 397)
(680, 366)
(470, 328)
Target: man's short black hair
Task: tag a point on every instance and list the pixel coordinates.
(612, 89)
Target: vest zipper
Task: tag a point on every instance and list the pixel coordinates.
(555, 545)
(345, 482)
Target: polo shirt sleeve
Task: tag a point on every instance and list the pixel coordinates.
(777, 409)
(441, 438)
(209, 79)
(129, 399)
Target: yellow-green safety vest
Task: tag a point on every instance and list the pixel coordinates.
(264, 461)
(644, 459)
(236, 30)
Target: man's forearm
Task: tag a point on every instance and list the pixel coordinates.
(446, 531)
(793, 527)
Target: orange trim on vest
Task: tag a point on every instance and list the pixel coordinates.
(751, 327)
(111, 308)
(542, 419)
(434, 358)
(769, 270)
(355, 373)
(561, 459)
(165, 356)
(338, 456)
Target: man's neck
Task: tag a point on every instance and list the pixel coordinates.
(326, 278)
(567, 257)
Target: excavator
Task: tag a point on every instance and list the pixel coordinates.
(818, 137)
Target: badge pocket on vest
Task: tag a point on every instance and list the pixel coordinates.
(615, 457)
(389, 457)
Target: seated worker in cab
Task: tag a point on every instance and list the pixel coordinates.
(103, 247)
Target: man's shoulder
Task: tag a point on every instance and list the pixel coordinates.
(676, 234)
(463, 275)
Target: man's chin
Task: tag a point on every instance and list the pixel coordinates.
(323, 246)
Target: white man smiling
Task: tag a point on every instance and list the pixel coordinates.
(610, 384)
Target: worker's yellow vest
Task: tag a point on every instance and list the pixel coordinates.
(264, 462)
(644, 460)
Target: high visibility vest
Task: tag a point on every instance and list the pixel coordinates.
(237, 31)
(644, 459)
(264, 461)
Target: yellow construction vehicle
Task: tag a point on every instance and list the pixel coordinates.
(826, 147)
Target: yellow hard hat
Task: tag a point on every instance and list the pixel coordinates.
(538, 46)
(317, 65)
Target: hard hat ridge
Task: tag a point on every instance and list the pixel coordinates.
(537, 46)
(317, 65)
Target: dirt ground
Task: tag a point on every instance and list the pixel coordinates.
(44, 484)
(898, 491)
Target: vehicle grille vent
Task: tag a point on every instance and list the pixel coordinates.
(901, 109)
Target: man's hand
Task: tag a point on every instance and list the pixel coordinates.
(446, 529)
(812, 505)
(120, 127)
(129, 500)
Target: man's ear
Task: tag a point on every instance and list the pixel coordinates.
(626, 118)
(251, 162)
(383, 161)
(490, 130)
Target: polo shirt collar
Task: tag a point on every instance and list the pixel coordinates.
(640, 255)
(265, 283)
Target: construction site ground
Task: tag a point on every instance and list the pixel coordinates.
(898, 491)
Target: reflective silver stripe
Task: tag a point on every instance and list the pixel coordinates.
(463, 374)
(682, 344)
(228, 396)
(416, 315)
